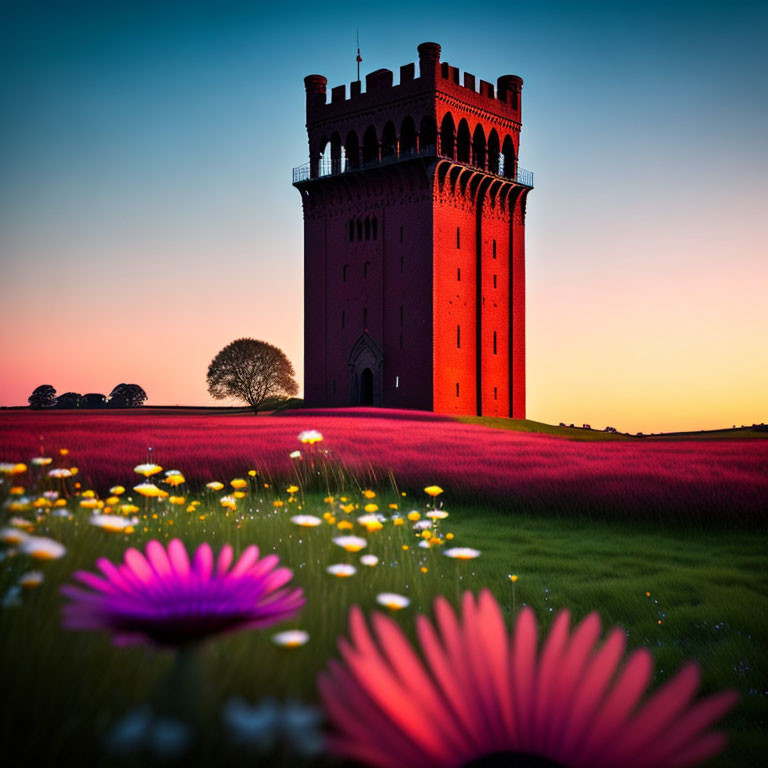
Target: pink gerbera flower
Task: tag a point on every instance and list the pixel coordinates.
(481, 696)
(165, 599)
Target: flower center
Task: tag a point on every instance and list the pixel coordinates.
(512, 760)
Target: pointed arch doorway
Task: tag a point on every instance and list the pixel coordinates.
(366, 387)
(366, 362)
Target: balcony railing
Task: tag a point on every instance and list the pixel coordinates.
(336, 167)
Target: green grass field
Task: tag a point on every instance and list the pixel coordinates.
(708, 600)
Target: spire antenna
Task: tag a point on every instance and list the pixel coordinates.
(358, 58)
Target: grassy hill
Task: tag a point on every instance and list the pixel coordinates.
(756, 431)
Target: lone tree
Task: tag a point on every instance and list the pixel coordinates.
(251, 371)
(127, 396)
(44, 396)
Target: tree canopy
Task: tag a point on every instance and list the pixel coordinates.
(43, 396)
(95, 400)
(251, 371)
(127, 396)
(70, 400)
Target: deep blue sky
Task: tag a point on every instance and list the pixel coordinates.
(145, 153)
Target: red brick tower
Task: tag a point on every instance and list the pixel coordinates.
(414, 242)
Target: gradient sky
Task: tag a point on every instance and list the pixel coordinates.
(147, 217)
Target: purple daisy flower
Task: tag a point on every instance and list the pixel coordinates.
(167, 600)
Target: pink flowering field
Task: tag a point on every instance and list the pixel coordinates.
(204, 589)
(719, 480)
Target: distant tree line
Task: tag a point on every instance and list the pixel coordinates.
(122, 396)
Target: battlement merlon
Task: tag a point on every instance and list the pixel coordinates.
(502, 100)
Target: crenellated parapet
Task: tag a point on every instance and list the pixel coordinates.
(432, 111)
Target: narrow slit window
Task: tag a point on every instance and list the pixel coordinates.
(365, 268)
(494, 281)
(401, 265)
(359, 230)
(344, 273)
(375, 228)
(458, 237)
(365, 318)
(494, 342)
(401, 234)
(367, 229)
(457, 389)
(334, 386)
(397, 382)
(494, 249)
(495, 393)
(343, 318)
(401, 315)
(458, 274)
(458, 336)
(351, 230)
(401, 342)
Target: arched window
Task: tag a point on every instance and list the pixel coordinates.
(352, 150)
(428, 134)
(493, 152)
(389, 141)
(336, 153)
(508, 158)
(463, 142)
(478, 147)
(370, 146)
(407, 137)
(325, 159)
(448, 137)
